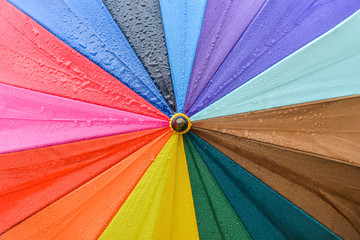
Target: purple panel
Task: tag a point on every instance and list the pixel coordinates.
(280, 28)
(224, 23)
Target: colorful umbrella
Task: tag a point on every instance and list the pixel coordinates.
(162, 119)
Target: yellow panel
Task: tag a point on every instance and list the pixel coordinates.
(161, 205)
(137, 218)
(177, 214)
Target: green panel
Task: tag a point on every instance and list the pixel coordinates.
(215, 216)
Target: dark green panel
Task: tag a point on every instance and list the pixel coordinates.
(141, 23)
(264, 213)
(215, 216)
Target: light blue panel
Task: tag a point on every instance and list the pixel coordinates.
(326, 68)
(182, 24)
(88, 27)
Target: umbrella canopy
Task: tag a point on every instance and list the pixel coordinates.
(179, 120)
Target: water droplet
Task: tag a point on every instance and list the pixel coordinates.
(89, 123)
(246, 133)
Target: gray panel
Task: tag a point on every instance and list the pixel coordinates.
(141, 23)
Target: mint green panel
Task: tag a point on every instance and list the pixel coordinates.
(328, 67)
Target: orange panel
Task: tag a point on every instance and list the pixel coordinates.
(85, 212)
(31, 180)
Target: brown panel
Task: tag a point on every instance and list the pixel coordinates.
(329, 127)
(327, 189)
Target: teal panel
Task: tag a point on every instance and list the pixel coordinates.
(215, 216)
(264, 213)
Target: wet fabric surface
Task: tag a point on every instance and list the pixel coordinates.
(329, 127)
(224, 23)
(84, 212)
(43, 175)
(33, 58)
(182, 23)
(279, 29)
(215, 216)
(141, 23)
(269, 149)
(326, 189)
(78, 24)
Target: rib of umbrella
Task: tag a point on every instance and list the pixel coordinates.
(33, 58)
(223, 25)
(279, 29)
(32, 119)
(329, 127)
(33, 179)
(161, 204)
(182, 24)
(141, 23)
(304, 76)
(78, 24)
(83, 213)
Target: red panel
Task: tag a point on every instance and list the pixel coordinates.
(33, 58)
(85, 212)
(31, 180)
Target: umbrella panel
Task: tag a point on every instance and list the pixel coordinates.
(279, 29)
(32, 119)
(161, 205)
(264, 213)
(182, 23)
(142, 25)
(325, 188)
(215, 216)
(224, 23)
(78, 24)
(328, 127)
(33, 58)
(305, 76)
(44, 175)
(84, 212)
